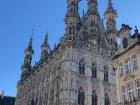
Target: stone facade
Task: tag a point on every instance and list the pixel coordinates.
(79, 71)
(126, 61)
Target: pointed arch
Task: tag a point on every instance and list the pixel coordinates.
(81, 67)
(106, 74)
(107, 100)
(94, 98)
(94, 70)
(81, 96)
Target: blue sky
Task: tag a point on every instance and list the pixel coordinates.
(19, 17)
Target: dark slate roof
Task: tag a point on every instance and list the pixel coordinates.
(6, 100)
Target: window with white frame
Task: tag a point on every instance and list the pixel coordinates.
(130, 89)
(138, 88)
(121, 69)
(123, 94)
(134, 62)
(127, 67)
(130, 65)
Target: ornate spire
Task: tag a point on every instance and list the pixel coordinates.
(46, 38)
(93, 7)
(110, 8)
(26, 67)
(45, 47)
(72, 21)
(72, 8)
(110, 4)
(110, 15)
(91, 20)
(30, 45)
(72, 18)
(29, 52)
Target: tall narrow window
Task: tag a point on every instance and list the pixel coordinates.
(123, 94)
(138, 89)
(134, 63)
(91, 24)
(94, 98)
(94, 71)
(121, 69)
(81, 67)
(111, 41)
(52, 95)
(72, 9)
(127, 66)
(107, 101)
(105, 74)
(130, 89)
(81, 97)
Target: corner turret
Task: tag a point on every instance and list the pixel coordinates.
(26, 67)
(45, 47)
(72, 20)
(110, 16)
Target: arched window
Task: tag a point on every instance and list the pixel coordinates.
(81, 67)
(70, 30)
(91, 24)
(92, 31)
(73, 30)
(111, 41)
(107, 102)
(105, 74)
(81, 97)
(72, 9)
(94, 98)
(94, 71)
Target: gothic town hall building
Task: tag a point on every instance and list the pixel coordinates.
(79, 70)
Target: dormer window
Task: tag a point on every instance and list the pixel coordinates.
(125, 43)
